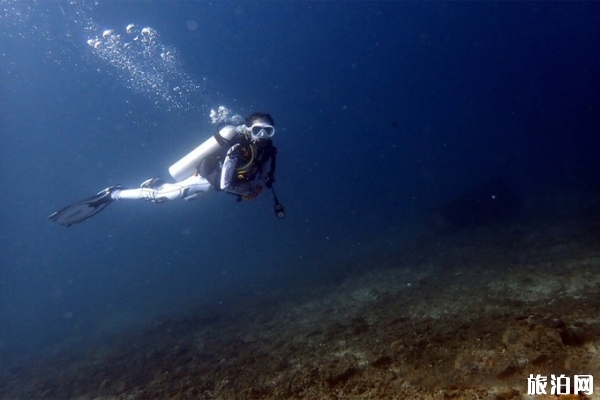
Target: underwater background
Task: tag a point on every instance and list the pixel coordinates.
(387, 115)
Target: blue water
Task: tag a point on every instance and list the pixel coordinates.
(384, 111)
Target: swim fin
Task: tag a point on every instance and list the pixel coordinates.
(84, 209)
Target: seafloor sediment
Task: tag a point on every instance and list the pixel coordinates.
(462, 314)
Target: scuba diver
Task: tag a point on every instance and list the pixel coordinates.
(235, 160)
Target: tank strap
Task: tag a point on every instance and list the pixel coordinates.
(220, 139)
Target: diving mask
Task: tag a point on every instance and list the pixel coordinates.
(261, 131)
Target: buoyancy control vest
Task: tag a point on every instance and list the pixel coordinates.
(251, 158)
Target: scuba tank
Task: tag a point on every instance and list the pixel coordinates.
(186, 167)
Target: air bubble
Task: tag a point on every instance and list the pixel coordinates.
(147, 66)
(224, 115)
(131, 54)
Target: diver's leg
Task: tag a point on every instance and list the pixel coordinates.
(188, 189)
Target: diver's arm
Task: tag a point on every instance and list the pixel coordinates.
(228, 168)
